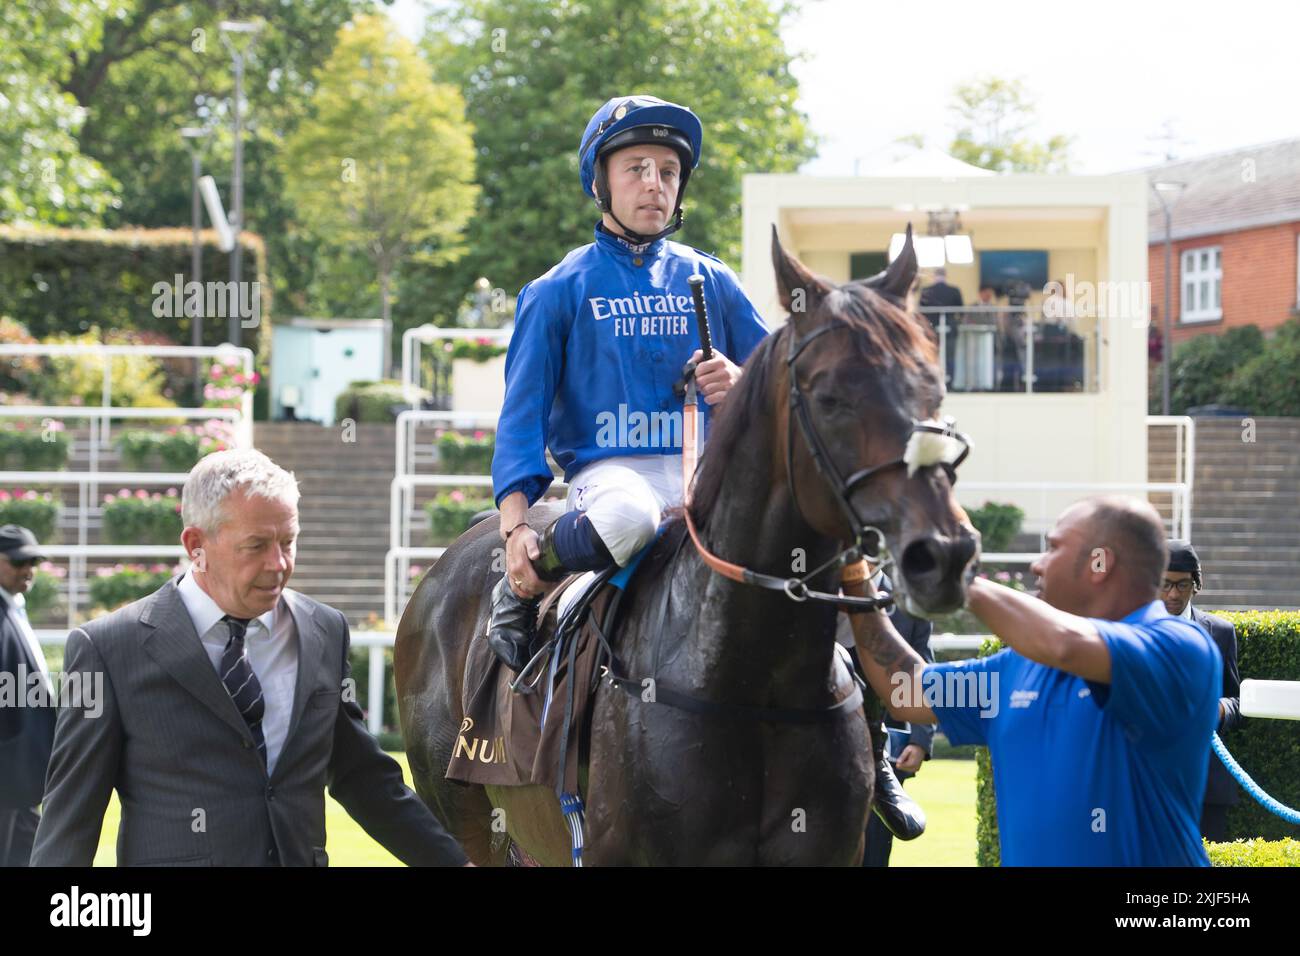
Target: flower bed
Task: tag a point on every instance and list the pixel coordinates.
(36, 511)
(450, 514)
(110, 588)
(33, 447)
(460, 454)
(178, 448)
(44, 591)
(143, 518)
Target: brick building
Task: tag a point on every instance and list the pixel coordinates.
(1236, 240)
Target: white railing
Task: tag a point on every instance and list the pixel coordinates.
(402, 511)
(88, 511)
(414, 339)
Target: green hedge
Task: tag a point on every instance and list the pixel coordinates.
(124, 583)
(450, 514)
(26, 447)
(143, 518)
(997, 524)
(1268, 648)
(172, 450)
(466, 454)
(68, 280)
(1284, 852)
(371, 402)
(37, 511)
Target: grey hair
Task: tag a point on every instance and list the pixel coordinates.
(218, 474)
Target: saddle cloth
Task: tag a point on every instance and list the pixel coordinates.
(510, 739)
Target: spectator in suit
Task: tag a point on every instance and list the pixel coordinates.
(908, 745)
(941, 295)
(1181, 583)
(26, 732)
(228, 706)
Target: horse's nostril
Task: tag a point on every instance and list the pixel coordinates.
(921, 558)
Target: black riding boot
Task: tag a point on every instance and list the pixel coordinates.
(514, 619)
(902, 815)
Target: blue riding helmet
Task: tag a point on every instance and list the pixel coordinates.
(629, 121)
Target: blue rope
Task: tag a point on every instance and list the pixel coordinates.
(571, 804)
(1250, 786)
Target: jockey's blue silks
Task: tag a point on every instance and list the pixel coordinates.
(599, 342)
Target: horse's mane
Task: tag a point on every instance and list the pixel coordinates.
(883, 335)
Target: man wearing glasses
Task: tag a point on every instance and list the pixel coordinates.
(26, 732)
(1182, 581)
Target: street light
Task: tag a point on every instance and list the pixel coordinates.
(1168, 192)
(237, 35)
(192, 135)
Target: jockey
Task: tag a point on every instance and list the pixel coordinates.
(599, 342)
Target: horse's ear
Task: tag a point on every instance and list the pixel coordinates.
(796, 287)
(897, 279)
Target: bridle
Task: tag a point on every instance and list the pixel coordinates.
(796, 588)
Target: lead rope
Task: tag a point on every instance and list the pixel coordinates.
(1250, 786)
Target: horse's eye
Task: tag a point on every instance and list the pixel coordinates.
(828, 403)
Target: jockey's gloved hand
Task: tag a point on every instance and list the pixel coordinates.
(688, 370)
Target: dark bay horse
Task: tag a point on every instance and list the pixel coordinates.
(665, 785)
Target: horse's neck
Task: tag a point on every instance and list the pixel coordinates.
(751, 636)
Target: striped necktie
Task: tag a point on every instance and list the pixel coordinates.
(242, 684)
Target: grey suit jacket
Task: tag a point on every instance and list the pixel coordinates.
(193, 789)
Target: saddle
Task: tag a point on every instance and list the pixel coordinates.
(530, 728)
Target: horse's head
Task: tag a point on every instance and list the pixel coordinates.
(863, 448)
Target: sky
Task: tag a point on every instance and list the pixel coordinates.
(1112, 75)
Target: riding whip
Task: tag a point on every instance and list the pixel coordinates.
(690, 435)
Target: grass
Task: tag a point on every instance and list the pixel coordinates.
(945, 788)
(946, 791)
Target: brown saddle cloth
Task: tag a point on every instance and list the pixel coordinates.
(503, 740)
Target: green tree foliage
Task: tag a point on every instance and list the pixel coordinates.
(386, 161)
(992, 116)
(534, 71)
(47, 178)
(1200, 367)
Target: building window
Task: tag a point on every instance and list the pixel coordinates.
(1202, 276)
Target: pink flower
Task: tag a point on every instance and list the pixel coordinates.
(141, 494)
(108, 499)
(4, 495)
(239, 378)
(457, 496)
(480, 435)
(172, 492)
(257, 377)
(217, 371)
(123, 493)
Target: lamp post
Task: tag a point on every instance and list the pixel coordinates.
(1167, 191)
(237, 35)
(192, 135)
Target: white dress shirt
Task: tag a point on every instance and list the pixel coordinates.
(271, 643)
(16, 605)
(1187, 613)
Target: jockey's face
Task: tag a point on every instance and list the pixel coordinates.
(643, 183)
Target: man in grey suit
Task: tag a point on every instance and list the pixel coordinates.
(227, 707)
(26, 731)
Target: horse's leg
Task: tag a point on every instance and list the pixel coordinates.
(433, 639)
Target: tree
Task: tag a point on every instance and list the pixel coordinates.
(386, 161)
(533, 72)
(992, 115)
(47, 177)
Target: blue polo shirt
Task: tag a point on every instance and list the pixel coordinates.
(1090, 774)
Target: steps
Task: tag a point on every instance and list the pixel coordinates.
(1245, 509)
(343, 512)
